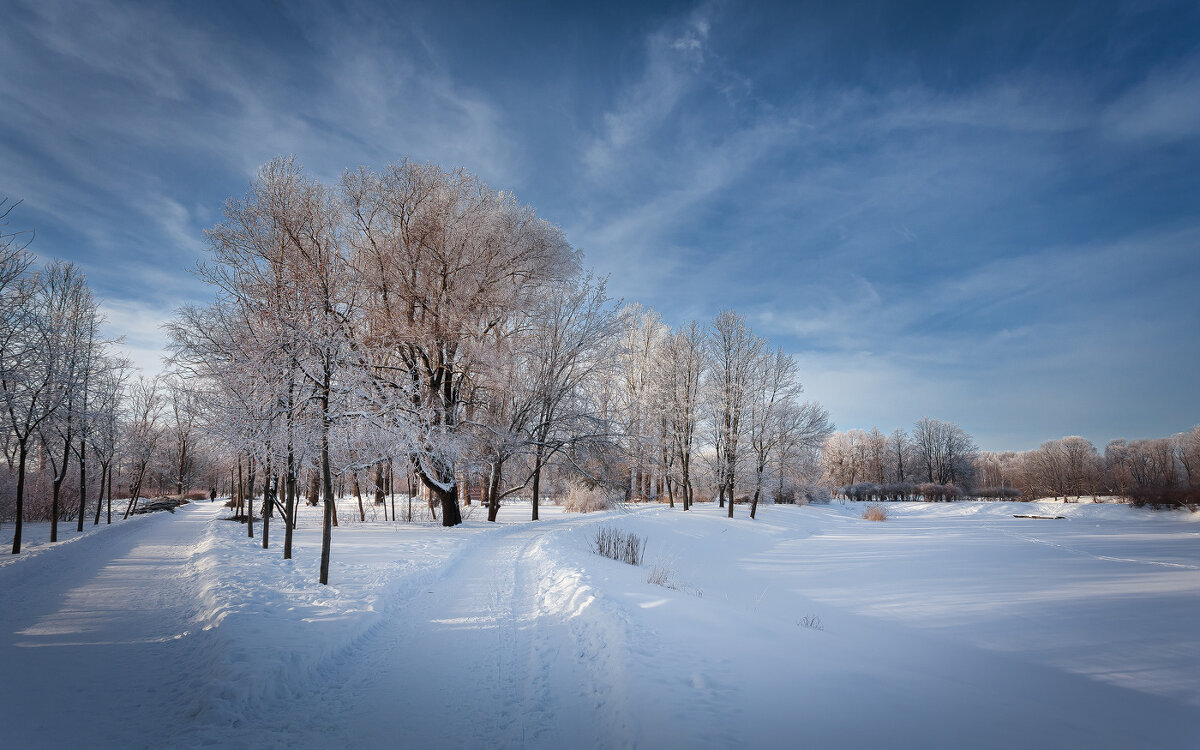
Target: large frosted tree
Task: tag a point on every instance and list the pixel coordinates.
(446, 263)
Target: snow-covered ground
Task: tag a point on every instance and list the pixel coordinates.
(949, 625)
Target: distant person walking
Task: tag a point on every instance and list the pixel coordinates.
(212, 495)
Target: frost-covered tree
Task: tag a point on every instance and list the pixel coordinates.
(733, 355)
(446, 263)
(571, 339)
(774, 391)
(804, 427)
(144, 433)
(32, 358)
(1187, 451)
(899, 456)
(679, 373)
(945, 452)
(73, 319)
(106, 436)
(642, 330)
(843, 458)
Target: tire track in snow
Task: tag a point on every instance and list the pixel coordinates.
(1094, 556)
(489, 650)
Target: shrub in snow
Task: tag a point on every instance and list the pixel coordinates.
(615, 544)
(898, 491)
(863, 491)
(938, 493)
(997, 493)
(875, 512)
(662, 574)
(818, 495)
(583, 499)
(1166, 498)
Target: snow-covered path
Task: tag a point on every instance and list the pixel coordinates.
(476, 656)
(96, 636)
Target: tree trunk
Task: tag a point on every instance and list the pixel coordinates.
(57, 482)
(757, 486)
(327, 477)
(447, 498)
(493, 490)
(731, 489)
(392, 488)
(451, 515)
(238, 493)
(289, 502)
(687, 483)
(100, 494)
(22, 456)
(268, 501)
(251, 472)
(379, 483)
(54, 487)
(82, 484)
(108, 495)
(537, 478)
(182, 466)
(362, 513)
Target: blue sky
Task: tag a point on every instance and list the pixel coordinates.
(987, 215)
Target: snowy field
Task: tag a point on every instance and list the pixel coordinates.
(949, 626)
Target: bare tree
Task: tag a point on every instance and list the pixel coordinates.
(899, 451)
(280, 260)
(803, 427)
(843, 457)
(571, 340)
(144, 432)
(774, 391)
(733, 353)
(73, 319)
(105, 436)
(1187, 450)
(680, 371)
(944, 450)
(31, 369)
(446, 262)
(182, 429)
(642, 330)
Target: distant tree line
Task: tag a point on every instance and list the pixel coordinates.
(938, 461)
(1159, 471)
(933, 462)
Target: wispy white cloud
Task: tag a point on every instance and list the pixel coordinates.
(1165, 105)
(138, 325)
(674, 59)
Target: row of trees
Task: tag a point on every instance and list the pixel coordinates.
(59, 386)
(78, 426)
(1072, 467)
(935, 452)
(416, 317)
(939, 460)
